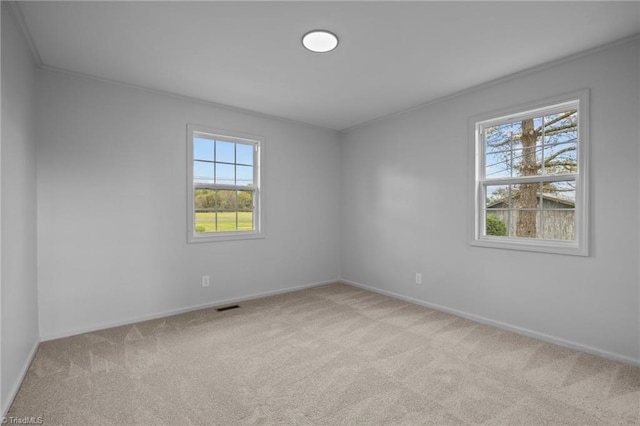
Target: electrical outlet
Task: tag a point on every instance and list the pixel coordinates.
(205, 281)
(418, 278)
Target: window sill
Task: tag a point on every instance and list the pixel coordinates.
(225, 236)
(547, 246)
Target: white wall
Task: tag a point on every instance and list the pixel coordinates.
(405, 203)
(112, 207)
(19, 318)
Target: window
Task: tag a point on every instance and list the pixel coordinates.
(530, 186)
(223, 185)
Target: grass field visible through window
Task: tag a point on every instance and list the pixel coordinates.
(227, 221)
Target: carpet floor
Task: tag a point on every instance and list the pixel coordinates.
(331, 355)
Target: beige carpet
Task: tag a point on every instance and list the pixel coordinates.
(329, 355)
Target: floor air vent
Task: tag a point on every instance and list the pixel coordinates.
(226, 308)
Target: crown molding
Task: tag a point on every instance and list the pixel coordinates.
(187, 98)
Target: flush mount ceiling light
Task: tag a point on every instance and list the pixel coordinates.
(320, 41)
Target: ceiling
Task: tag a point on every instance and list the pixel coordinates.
(392, 55)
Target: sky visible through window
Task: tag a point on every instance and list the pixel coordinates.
(557, 141)
(221, 162)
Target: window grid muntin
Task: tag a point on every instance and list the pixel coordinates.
(483, 181)
(236, 210)
(541, 209)
(235, 164)
(252, 160)
(541, 114)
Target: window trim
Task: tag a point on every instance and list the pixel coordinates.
(258, 189)
(578, 247)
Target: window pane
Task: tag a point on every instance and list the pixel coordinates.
(498, 138)
(561, 158)
(498, 165)
(202, 172)
(223, 210)
(525, 130)
(204, 204)
(227, 222)
(497, 196)
(527, 161)
(205, 222)
(204, 199)
(245, 221)
(525, 195)
(225, 152)
(525, 198)
(561, 128)
(226, 200)
(227, 209)
(244, 175)
(245, 201)
(225, 174)
(202, 149)
(516, 134)
(559, 195)
(244, 154)
(558, 224)
(524, 224)
(496, 223)
(245, 210)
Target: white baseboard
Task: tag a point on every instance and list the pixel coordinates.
(133, 320)
(504, 326)
(8, 399)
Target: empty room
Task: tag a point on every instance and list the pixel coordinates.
(320, 213)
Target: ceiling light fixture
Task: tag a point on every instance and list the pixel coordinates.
(320, 41)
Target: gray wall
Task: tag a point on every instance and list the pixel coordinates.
(397, 172)
(111, 216)
(112, 207)
(19, 318)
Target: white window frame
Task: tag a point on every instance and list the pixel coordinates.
(579, 246)
(257, 188)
